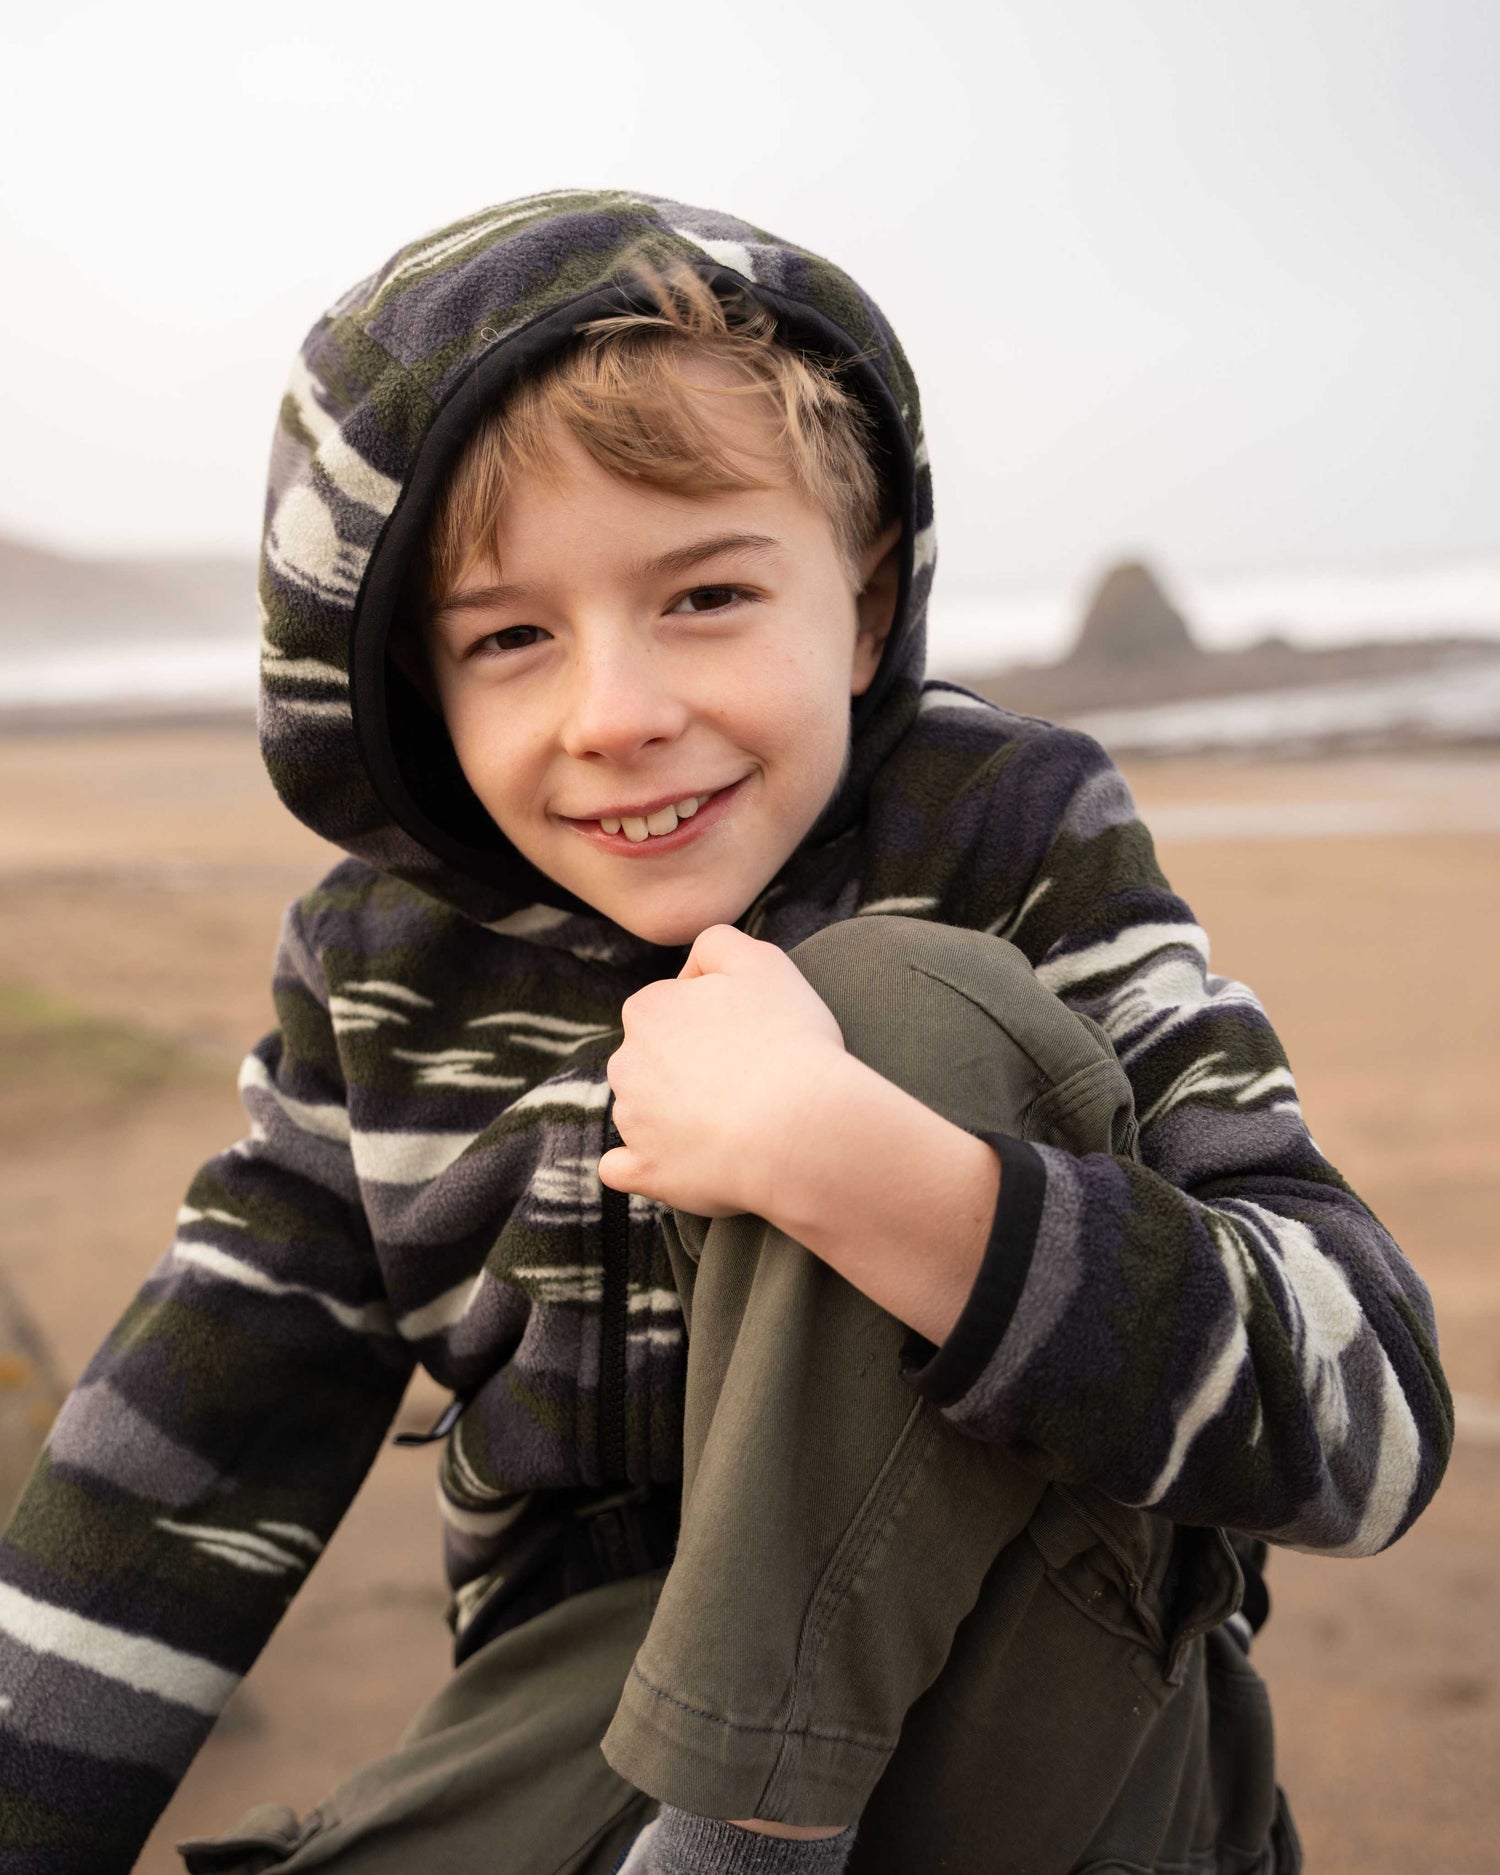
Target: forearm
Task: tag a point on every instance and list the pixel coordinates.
(890, 1194)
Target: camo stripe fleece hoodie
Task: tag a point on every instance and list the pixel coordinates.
(1222, 1332)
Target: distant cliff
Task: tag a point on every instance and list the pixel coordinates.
(1134, 648)
(47, 598)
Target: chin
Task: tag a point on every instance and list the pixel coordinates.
(674, 925)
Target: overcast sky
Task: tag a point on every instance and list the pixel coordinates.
(1215, 282)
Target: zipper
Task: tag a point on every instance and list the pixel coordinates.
(614, 1321)
(615, 1220)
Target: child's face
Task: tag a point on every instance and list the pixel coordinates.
(648, 648)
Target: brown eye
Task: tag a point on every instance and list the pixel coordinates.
(708, 598)
(512, 638)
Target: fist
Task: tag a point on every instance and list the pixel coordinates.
(715, 1075)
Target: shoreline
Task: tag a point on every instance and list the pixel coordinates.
(1115, 729)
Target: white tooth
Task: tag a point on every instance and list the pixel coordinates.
(633, 828)
(686, 809)
(610, 826)
(662, 821)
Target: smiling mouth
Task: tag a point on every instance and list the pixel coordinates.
(652, 826)
(626, 832)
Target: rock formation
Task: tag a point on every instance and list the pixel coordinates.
(1131, 623)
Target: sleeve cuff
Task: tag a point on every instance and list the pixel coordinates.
(944, 1374)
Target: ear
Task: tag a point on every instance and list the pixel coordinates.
(875, 604)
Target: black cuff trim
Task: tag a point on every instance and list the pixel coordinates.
(950, 1370)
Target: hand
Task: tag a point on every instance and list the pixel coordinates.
(714, 1077)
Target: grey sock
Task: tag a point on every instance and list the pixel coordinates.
(678, 1843)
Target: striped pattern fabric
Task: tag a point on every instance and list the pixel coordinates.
(1222, 1332)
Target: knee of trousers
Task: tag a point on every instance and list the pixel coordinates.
(959, 1019)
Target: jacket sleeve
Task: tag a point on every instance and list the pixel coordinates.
(1220, 1332)
(200, 1465)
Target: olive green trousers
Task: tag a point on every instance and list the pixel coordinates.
(869, 1614)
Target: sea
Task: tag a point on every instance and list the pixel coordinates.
(99, 676)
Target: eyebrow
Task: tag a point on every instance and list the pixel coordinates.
(675, 560)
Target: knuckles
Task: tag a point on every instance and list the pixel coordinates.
(643, 1001)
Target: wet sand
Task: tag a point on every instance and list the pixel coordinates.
(144, 876)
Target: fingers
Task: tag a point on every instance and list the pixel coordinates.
(639, 1001)
(618, 1169)
(724, 948)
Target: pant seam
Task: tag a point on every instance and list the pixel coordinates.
(996, 1020)
(844, 1565)
(741, 1725)
(858, 1539)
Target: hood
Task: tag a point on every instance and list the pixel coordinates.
(385, 391)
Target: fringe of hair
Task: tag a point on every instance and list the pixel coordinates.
(620, 390)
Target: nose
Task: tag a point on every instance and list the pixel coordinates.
(619, 701)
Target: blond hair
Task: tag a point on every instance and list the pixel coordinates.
(619, 389)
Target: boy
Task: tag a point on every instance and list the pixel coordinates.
(594, 631)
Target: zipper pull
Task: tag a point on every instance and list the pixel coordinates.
(440, 1428)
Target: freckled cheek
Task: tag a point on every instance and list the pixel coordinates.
(813, 722)
(777, 703)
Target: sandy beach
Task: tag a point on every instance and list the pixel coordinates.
(144, 876)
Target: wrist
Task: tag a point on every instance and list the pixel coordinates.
(896, 1198)
(779, 1168)
(843, 1115)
